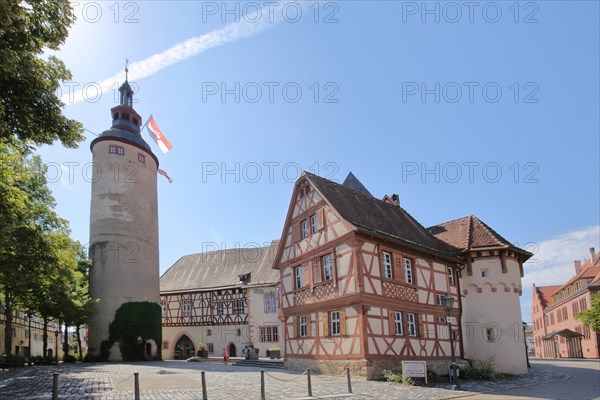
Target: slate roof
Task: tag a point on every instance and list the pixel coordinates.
(373, 216)
(470, 233)
(221, 269)
(353, 182)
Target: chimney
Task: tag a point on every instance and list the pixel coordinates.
(592, 253)
(396, 199)
(577, 266)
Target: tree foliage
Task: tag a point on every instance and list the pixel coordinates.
(30, 111)
(591, 316)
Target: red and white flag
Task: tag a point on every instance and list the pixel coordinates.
(157, 135)
(164, 173)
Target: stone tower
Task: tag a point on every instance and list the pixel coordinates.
(123, 219)
(490, 285)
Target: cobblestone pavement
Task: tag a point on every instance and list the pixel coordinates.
(182, 381)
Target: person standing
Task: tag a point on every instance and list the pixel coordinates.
(225, 355)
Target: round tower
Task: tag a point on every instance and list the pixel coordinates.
(123, 220)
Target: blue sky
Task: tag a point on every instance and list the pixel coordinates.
(490, 110)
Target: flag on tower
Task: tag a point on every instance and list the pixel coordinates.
(164, 173)
(157, 135)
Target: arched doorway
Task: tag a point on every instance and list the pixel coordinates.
(184, 348)
(232, 352)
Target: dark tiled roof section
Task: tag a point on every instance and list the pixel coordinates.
(379, 217)
(469, 233)
(221, 269)
(353, 182)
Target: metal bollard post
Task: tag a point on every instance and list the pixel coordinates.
(55, 386)
(309, 383)
(349, 382)
(262, 385)
(136, 385)
(204, 395)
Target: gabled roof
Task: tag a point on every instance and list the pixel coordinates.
(589, 270)
(352, 181)
(220, 269)
(545, 294)
(470, 233)
(377, 217)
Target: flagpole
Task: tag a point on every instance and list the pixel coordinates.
(148, 120)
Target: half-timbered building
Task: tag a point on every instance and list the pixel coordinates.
(221, 299)
(362, 283)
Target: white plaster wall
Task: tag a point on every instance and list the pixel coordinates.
(499, 310)
(123, 234)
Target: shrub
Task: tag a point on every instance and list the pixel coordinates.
(396, 377)
(68, 358)
(481, 370)
(14, 361)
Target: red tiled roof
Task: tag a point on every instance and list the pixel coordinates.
(545, 294)
(470, 233)
(589, 270)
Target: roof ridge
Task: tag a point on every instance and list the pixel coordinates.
(452, 220)
(469, 233)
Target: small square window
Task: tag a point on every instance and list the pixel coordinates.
(165, 345)
(142, 158)
(484, 273)
(116, 150)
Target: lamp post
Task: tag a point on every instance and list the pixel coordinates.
(525, 341)
(448, 304)
(29, 315)
(56, 343)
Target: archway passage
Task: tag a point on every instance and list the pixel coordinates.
(232, 350)
(184, 348)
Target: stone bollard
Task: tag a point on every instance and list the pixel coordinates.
(55, 386)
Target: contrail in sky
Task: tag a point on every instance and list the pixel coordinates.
(248, 25)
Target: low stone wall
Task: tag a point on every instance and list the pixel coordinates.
(368, 369)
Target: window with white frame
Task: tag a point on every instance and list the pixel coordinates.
(314, 223)
(411, 324)
(327, 267)
(439, 298)
(440, 320)
(299, 278)
(238, 306)
(451, 275)
(116, 150)
(302, 326)
(269, 334)
(408, 272)
(334, 323)
(490, 334)
(220, 308)
(186, 307)
(398, 323)
(387, 265)
(304, 228)
(270, 303)
(210, 347)
(163, 308)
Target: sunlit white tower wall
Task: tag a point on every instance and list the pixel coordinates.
(123, 219)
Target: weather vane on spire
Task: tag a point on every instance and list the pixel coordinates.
(126, 67)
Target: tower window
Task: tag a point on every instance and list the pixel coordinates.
(125, 116)
(142, 158)
(135, 121)
(484, 273)
(116, 116)
(116, 150)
